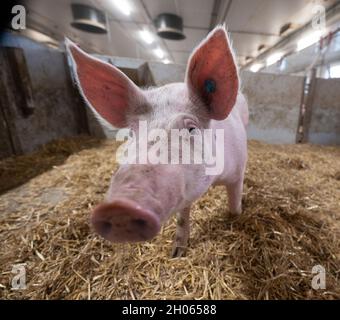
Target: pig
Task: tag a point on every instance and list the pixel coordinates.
(142, 197)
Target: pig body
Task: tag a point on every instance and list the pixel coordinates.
(235, 142)
(143, 196)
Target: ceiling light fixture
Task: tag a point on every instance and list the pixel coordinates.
(256, 67)
(147, 36)
(287, 28)
(261, 47)
(166, 61)
(159, 53)
(274, 58)
(169, 26)
(123, 6)
(88, 19)
(309, 40)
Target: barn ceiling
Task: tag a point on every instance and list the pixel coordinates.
(251, 23)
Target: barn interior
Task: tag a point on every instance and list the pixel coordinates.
(57, 158)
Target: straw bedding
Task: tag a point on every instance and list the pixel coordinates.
(291, 222)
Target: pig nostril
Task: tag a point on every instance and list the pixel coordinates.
(140, 223)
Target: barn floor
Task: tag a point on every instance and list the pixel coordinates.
(291, 222)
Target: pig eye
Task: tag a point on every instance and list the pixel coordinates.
(190, 125)
(192, 130)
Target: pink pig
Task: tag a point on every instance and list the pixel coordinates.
(142, 197)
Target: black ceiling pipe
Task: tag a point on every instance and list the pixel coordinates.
(169, 26)
(88, 19)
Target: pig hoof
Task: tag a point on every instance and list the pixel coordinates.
(235, 214)
(178, 252)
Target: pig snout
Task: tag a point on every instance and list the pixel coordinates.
(125, 221)
(139, 200)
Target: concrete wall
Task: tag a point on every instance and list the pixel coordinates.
(324, 127)
(57, 111)
(274, 106)
(166, 73)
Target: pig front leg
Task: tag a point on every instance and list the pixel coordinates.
(182, 233)
(234, 191)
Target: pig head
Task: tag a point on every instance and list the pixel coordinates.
(142, 197)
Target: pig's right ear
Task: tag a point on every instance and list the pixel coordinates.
(212, 74)
(107, 90)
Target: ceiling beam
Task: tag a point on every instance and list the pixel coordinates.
(332, 11)
(265, 34)
(226, 12)
(255, 33)
(214, 14)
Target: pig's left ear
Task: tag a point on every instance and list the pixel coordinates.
(212, 74)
